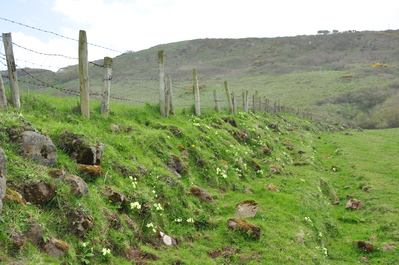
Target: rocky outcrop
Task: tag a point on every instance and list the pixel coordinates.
(354, 204)
(3, 176)
(55, 247)
(38, 192)
(78, 148)
(38, 147)
(238, 224)
(81, 222)
(78, 185)
(202, 194)
(247, 208)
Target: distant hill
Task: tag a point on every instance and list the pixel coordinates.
(331, 75)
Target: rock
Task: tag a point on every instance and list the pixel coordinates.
(116, 197)
(247, 208)
(367, 247)
(176, 163)
(78, 185)
(115, 128)
(55, 247)
(266, 151)
(38, 192)
(354, 204)
(38, 147)
(90, 172)
(71, 143)
(387, 246)
(242, 225)
(247, 191)
(91, 155)
(164, 239)
(14, 196)
(274, 169)
(17, 240)
(201, 194)
(81, 222)
(3, 177)
(115, 222)
(272, 187)
(35, 234)
(56, 173)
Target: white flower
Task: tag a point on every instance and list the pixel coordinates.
(178, 220)
(135, 205)
(158, 206)
(85, 244)
(190, 220)
(106, 251)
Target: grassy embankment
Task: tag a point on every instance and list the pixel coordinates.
(299, 225)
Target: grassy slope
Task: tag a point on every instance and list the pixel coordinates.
(301, 71)
(299, 225)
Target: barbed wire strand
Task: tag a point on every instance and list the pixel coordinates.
(56, 34)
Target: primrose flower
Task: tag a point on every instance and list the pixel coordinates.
(178, 220)
(106, 251)
(151, 225)
(190, 220)
(135, 205)
(85, 244)
(158, 206)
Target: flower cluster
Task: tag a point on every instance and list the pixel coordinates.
(106, 251)
(158, 207)
(221, 172)
(135, 205)
(190, 220)
(151, 225)
(134, 181)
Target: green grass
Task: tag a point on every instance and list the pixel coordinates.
(299, 225)
(329, 75)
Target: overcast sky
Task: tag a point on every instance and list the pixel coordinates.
(133, 25)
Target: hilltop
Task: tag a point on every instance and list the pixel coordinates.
(301, 174)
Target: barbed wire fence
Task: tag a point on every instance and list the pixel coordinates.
(145, 88)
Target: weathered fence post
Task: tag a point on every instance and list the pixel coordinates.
(197, 105)
(245, 101)
(3, 99)
(233, 100)
(215, 95)
(12, 70)
(228, 94)
(107, 76)
(84, 75)
(170, 105)
(161, 72)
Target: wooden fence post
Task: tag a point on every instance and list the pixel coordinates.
(170, 105)
(233, 100)
(12, 70)
(215, 95)
(246, 101)
(161, 72)
(197, 105)
(107, 76)
(3, 99)
(228, 94)
(84, 75)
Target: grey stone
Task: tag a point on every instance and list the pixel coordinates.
(38, 147)
(78, 185)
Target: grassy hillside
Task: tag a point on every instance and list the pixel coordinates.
(330, 75)
(321, 168)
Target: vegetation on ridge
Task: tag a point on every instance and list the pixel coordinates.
(319, 165)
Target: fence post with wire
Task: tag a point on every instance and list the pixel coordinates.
(12, 70)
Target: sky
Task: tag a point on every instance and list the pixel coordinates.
(119, 26)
